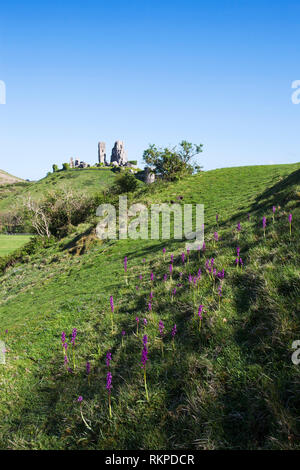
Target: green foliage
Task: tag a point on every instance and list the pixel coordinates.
(65, 166)
(54, 168)
(231, 385)
(125, 182)
(171, 164)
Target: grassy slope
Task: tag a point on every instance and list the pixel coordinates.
(92, 181)
(6, 178)
(231, 385)
(10, 243)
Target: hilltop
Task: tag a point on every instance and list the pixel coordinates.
(227, 383)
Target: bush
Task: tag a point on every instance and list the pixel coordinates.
(58, 212)
(125, 182)
(171, 164)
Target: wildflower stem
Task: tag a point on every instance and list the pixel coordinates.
(82, 417)
(109, 405)
(145, 382)
(74, 364)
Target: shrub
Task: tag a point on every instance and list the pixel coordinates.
(171, 164)
(125, 182)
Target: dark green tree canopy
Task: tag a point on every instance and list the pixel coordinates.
(172, 163)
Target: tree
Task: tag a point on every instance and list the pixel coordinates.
(54, 168)
(39, 216)
(173, 163)
(125, 182)
(66, 166)
(58, 211)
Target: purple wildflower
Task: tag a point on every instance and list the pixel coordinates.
(74, 334)
(238, 227)
(221, 274)
(108, 382)
(216, 236)
(125, 264)
(165, 277)
(112, 303)
(145, 340)
(182, 257)
(144, 356)
(174, 331)
(79, 399)
(63, 337)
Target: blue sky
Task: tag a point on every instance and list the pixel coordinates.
(216, 72)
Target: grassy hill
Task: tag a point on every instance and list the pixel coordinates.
(10, 243)
(227, 384)
(89, 180)
(6, 178)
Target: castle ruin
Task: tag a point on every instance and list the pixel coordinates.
(102, 153)
(118, 154)
(118, 157)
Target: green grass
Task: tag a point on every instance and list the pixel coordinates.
(86, 180)
(231, 385)
(10, 243)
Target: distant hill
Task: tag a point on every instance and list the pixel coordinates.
(6, 178)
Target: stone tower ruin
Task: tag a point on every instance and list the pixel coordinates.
(101, 153)
(118, 154)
